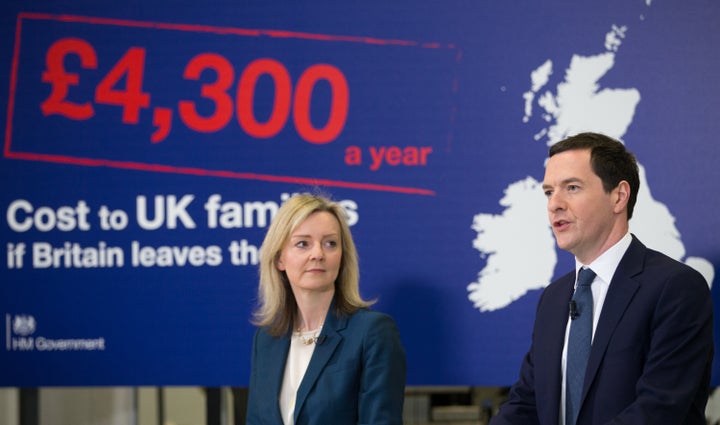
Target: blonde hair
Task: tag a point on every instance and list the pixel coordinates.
(277, 307)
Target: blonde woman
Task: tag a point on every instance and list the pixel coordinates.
(320, 355)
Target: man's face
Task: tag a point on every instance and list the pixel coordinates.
(582, 215)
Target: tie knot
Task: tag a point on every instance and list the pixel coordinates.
(585, 277)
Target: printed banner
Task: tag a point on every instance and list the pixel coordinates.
(147, 147)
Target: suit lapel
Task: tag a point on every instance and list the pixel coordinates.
(277, 352)
(331, 338)
(555, 335)
(621, 291)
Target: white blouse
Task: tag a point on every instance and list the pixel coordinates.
(296, 364)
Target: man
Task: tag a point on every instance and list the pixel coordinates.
(649, 319)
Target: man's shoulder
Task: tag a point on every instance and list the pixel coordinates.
(654, 261)
(561, 281)
(652, 268)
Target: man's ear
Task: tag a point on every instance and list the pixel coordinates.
(621, 196)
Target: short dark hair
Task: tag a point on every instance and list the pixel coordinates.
(609, 159)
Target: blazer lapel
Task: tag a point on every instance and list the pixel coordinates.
(277, 352)
(329, 339)
(621, 291)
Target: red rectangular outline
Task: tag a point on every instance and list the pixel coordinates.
(96, 162)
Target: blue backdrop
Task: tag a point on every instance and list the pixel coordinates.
(147, 145)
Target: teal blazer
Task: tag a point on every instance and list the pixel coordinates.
(356, 374)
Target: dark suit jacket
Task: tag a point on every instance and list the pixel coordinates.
(356, 374)
(651, 355)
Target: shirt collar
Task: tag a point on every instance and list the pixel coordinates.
(605, 265)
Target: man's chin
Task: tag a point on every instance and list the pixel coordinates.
(562, 243)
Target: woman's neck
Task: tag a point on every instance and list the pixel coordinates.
(312, 309)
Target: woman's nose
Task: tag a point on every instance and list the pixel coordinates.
(317, 253)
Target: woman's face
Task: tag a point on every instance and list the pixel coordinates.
(311, 257)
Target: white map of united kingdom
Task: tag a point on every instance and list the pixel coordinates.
(516, 265)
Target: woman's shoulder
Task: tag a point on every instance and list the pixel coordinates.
(369, 317)
(373, 328)
(264, 337)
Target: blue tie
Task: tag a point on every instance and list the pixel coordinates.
(579, 343)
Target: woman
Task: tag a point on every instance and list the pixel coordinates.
(320, 356)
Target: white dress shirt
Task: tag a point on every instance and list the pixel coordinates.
(604, 267)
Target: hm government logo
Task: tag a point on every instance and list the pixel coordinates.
(23, 325)
(20, 336)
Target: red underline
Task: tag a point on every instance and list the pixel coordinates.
(160, 168)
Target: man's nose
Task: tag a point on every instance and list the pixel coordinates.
(555, 202)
